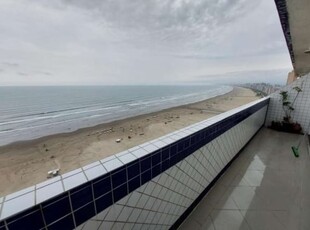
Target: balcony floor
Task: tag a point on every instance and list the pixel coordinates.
(265, 188)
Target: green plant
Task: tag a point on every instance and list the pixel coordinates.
(287, 105)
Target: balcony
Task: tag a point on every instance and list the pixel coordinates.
(265, 188)
(226, 172)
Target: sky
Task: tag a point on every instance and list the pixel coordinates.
(137, 42)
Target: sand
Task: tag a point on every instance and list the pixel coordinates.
(26, 163)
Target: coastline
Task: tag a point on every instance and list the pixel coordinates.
(26, 163)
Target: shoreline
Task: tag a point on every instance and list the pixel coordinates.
(26, 163)
(108, 123)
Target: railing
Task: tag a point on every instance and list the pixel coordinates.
(153, 186)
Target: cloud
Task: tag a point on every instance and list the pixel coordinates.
(9, 64)
(274, 76)
(137, 41)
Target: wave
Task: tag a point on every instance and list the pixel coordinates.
(52, 115)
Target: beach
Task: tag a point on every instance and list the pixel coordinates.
(23, 164)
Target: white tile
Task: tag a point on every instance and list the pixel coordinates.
(150, 148)
(156, 191)
(95, 172)
(143, 216)
(91, 225)
(124, 200)
(182, 134)
(19, 193)
(73, 181)
(186, 131)
(134, 215)
(118, 226)
(49, 181)
(106, 159)
(143, 200)
(106, 225)
(159, 143)
(91, 165)
(150, 203)
(149, 188)
(124, 215)
(134, 199)
(17, 205)
(140, 152)
(122, 153)
(128, 226)
(49, 191)
(73, 172)
(168, 140)
(175, 137)
(102, 215)
(127, 158)
(112, 164)
(114, 212)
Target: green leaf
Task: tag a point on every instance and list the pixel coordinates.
(297, 89)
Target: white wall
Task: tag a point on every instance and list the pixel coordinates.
(160, 202)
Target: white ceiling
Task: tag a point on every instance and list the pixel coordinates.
(299, 23)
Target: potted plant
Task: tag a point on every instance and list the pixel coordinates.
(287, 124)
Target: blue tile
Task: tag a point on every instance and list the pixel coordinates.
(120, 192)
(180, 145)
(146, 176)
(33, 221)
(173, 150)
(185, 153)
(102, 186)
(54, 199)
(64, 223)
(133, 184)
(145, 163)
(174, 159)
(84, 214)
(133, 169)
(23, 214)
(82, 197)
(165, 165)
(165, 153)
(103, 202)
(119, 177)
(57, 210)
(186, 142)
(80, 187)
(156, 158)
(156, 170)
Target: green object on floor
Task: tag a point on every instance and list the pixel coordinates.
(295, 151)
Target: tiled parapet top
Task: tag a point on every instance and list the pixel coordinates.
(66, 201)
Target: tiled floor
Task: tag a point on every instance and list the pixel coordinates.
(265, 188)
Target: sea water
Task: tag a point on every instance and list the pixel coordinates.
(31, 112)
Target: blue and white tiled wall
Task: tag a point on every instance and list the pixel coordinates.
(301, 114)
(151, 186)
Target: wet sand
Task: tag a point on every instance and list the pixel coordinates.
(24, 164)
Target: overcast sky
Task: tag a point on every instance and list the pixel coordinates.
(66, 42)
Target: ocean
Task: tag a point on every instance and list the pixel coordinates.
(28, 112)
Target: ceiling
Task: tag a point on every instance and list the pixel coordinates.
(295, 20)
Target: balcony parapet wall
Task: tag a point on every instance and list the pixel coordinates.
(153, 186)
